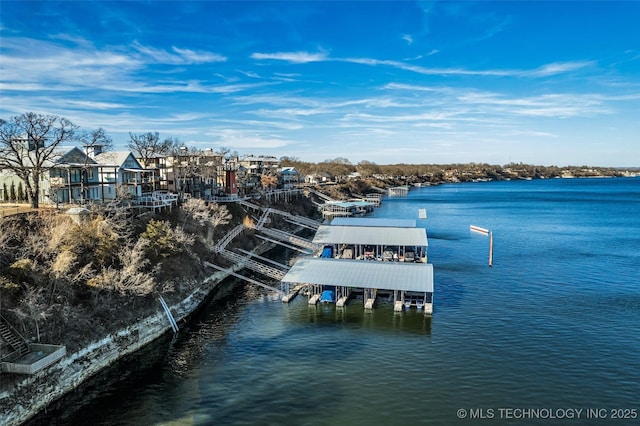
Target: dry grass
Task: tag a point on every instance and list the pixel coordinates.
(11, 209)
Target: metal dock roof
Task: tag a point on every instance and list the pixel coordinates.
(373, 221)
(362, 274)
(371, 235)
(348, 204)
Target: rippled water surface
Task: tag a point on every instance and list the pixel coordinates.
(555, 324)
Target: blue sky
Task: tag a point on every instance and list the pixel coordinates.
(548, 83)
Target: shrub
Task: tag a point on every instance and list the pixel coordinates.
(160, 238)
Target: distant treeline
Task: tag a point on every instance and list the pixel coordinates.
(341, 168)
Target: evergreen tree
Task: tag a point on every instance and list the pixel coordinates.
(5, 192)
(20, 196)
(12, 192)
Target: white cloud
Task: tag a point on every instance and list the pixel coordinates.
(557, 68)
(246, 140)
(294, 57)
(198, 57)
(178, 56)
(548, 105)
(542, 71)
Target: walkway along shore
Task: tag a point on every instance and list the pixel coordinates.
(36, 392)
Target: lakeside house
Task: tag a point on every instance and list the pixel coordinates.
(77, 176)
(319, 178)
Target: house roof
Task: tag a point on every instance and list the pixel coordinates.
(118, 158)
(75, 156)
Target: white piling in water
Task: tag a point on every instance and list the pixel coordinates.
(490, 234)
(490, 249)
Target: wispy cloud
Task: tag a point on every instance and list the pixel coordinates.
(247, 140)
(557, 68)
(86, 104)
(49, 66)
(542, 71)
(294, 57)
(407, 38)
(177, 56)
(560, 105)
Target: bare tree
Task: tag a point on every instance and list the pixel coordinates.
(367, 168)
(208, 216)
(28, 147)
(197, 209)
(96, 139)
(148, 145)
(220, 215)
(226, 153)
(33, 305)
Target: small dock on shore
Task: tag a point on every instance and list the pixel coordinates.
(399, 191)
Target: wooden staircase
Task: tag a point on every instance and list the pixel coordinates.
(13, 339)
(267, 270)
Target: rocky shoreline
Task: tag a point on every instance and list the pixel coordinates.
(34, 393)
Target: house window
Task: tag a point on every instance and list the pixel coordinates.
(76, 175)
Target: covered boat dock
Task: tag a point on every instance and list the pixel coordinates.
(332, 209)
(389, 242)
(374, 221)
(407, 285)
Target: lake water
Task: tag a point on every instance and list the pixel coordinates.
(549, 335)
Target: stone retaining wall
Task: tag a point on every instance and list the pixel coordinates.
(37, 391)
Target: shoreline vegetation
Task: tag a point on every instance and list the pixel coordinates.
(411, 174)
(94, 285)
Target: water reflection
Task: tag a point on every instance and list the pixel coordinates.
(382, 318)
